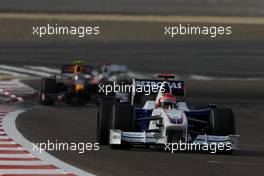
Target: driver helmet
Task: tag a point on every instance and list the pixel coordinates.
(167, 101)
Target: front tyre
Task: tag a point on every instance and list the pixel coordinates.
(221, 122)
(103, 117)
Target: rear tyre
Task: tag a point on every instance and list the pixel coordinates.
(81, 97)
(103, 117)
(47, 87)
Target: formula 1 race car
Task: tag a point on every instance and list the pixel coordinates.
(160, 123)
(72, 87)
(108, 74)
(112, 72)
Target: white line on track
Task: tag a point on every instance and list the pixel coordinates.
(9, 87)
(4, 143)
(201, 77)
(28, 163)
(24, 70)
(45, 69)
(16, 156)
(236, 163)
(35, 171)
(11, 148)
(12, 73)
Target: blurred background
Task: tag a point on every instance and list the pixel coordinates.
(165, 7)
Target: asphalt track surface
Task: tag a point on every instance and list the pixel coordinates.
(176, 7)
(242, 59)
(78, 124)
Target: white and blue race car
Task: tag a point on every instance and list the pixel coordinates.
(125, 125)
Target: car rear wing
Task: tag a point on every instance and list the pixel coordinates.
(69, 69)
(166, 76)
(178, 88)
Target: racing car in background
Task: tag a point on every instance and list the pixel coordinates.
(111, 72)
(107, 74)
(126, 125)
(71, 86)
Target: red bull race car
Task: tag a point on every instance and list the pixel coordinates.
(72, 86)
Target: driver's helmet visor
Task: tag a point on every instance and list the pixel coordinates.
(168, 102)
